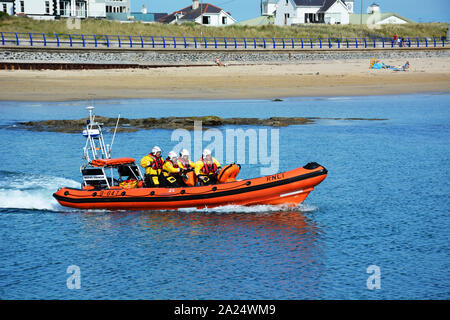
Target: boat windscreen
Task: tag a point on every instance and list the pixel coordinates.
(132, 172)
(92, 172)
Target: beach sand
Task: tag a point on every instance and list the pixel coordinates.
(311, 78)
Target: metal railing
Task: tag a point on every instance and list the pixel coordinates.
(80, 41)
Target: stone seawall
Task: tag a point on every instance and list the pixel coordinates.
(206, 57)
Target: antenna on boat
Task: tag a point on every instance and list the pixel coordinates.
(90, 109)
(95, 144)
(114, 136)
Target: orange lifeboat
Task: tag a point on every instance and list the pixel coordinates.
(124, 190)
(290, 187)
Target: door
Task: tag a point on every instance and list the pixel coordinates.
(286, 17)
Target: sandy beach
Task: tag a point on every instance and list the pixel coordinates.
(312, 78)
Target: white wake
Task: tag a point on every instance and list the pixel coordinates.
(252, 209)
(20, 191)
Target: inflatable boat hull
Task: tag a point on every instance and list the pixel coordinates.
(290, 188)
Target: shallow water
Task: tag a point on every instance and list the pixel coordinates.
(385, 202)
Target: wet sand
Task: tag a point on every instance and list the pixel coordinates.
(312, 78)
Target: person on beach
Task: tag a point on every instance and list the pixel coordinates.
(381, 65)
(153, 164)
(405, 67)
(207, 168)
(219, 63)
(172, 171)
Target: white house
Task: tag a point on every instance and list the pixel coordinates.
(289, 12)
(117, 9)
(51, 9)
(7, 6)
(268, 7)
(205, 13)
(39, 9)
(375, 17)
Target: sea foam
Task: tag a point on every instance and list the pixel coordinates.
(21, 191)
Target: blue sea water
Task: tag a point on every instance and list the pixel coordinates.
(385, 202)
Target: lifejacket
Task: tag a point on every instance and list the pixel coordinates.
(157, 162)
(174, 165)
(185, 165)
(209, 168)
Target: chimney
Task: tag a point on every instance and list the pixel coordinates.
(195, 4)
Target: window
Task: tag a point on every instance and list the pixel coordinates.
(286, 3)
(206, 20)
(22, 6)
(224, 20)
(4, 7)
(286, 17)
(314, 17)
(47, 7)
(61, 8)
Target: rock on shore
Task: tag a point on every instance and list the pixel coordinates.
(132, 125)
